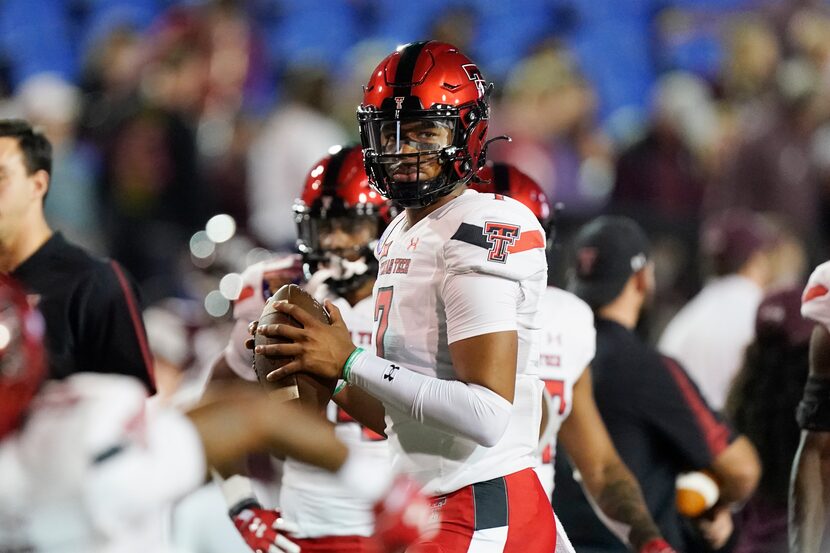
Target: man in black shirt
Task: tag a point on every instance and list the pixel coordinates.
(658, 421)
(93, 317)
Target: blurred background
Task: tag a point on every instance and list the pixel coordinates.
(184, 129)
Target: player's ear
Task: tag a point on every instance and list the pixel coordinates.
(40, 180)
(644, 279)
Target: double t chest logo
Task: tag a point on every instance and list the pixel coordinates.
(500, 236)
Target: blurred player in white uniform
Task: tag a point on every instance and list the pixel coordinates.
(810, 489)
(456, 335)
(83, 467)
(568, 345)
(339, 220)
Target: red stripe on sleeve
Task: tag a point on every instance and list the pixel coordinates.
(246, 293)
(527, 241)
(715, 433)
(814, 292)
(136, 320)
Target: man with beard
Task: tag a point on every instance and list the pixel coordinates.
(656, 416)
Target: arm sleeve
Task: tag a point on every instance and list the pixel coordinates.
(673, 404)
(112, 338)
(473, 411)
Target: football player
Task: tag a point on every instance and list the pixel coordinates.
(810, 490)
(460, 281)
(339, 219)
(83, 467)
(567, 348)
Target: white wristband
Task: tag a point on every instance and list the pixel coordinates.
(471, 410)
(237, 490)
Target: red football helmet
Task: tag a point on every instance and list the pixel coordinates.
(22, 360)
(423, 122)
(503, 178)
(337, 198)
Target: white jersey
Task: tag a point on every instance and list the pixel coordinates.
(815, 302)
(477, 238)
(91, 471)
(568, 345)
(311, 497)
(315, 499)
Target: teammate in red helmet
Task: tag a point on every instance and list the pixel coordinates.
(570, 414)
(339, 219)
(22, 361)
(460, 281)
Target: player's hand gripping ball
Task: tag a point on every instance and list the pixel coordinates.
(310, 390)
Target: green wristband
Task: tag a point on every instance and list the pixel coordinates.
(347, 367)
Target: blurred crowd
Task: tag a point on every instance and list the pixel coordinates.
(165, 115)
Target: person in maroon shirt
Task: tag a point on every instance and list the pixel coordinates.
(91, 306)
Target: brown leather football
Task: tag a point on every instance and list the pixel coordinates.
(312, 391)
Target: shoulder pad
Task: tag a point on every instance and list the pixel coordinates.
(815, 301)
(107, 409)
(496, 235)
(261, 280)
(571, 308)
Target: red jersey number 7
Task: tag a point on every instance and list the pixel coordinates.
(383, 305)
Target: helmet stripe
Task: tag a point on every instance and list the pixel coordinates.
(332, 175)
(406, 68)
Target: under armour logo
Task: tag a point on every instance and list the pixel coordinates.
(500, 236)
(389, 373)
(413, 243)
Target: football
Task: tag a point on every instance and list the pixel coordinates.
(697, 492)
(310, 390)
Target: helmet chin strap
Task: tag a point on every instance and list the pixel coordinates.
(338, 275)
(342, 269)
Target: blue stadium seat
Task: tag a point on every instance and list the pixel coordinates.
(35, 37)
(616, 57)
(506, 34)
(403, 22)
(104, 15)
(599, 10)
(313, 32)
